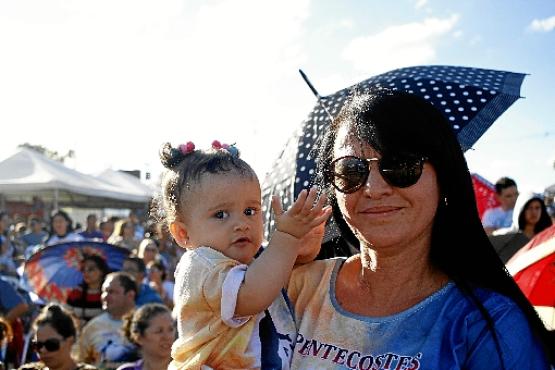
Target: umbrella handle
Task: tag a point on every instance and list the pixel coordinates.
(315, 92)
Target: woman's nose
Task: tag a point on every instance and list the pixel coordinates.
(375, 185)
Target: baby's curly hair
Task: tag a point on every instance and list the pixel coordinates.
(136, 322)
(184, 170)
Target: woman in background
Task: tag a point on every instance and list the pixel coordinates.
(152, 329)
(61, 229)
(85, 300)
(55, 333)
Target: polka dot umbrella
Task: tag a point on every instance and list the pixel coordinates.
(470, 98)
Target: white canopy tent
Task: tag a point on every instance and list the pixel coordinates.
(126, 181)
(28, 174)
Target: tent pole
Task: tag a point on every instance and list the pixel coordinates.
(56, 194)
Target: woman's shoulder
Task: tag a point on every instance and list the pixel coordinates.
(137, 365)
(83, 366)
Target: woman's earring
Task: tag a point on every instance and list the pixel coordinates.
(445, 201)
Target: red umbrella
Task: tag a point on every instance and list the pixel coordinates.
(484, 192)
(533, 268)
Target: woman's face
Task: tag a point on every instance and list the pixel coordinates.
(128, 231)
(91, 273)
(53, 359)
(154, 274)
(150, 252)
(383, 215)
(59, 224)
(158, 337)
(533, 212)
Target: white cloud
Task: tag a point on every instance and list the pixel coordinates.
(113, 80)
(542, 25)
(396, 46)
(420, 4)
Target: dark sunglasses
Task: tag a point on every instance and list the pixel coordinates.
(350, 173)
(51, 344)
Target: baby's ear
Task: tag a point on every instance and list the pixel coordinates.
(179, 233)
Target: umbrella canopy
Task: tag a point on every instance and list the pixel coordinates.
(54, 270)
(471, 99)
(533, 268)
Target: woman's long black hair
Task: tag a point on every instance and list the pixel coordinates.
(394, 122)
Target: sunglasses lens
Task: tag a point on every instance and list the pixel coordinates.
(349, 173)
(51, 345)
(401, 172)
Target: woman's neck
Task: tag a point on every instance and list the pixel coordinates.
(155, 363)
(69, 364)
(398, 281)
(529, 231)
(94, 286)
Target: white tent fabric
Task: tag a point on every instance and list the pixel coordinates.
(27, 174)
(126, 181)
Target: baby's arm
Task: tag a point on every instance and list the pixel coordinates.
(269, 273)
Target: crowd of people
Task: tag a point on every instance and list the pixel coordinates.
(426, 288)
(105, 321)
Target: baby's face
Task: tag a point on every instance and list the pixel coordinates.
(223, 212)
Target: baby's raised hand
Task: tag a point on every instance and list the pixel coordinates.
(303, 216)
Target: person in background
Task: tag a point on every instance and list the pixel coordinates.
(157, 280)
(36, 234)
(498, 217)
(137, 225)
(7, 249)
(6, 336)
(427, 290)
(91, 232)
(85, 300)
(124, 235)
(145, 294)
(55, 333)
(102, 342)
(151, 328)
(106, 227)
(530, 217)
(13, 308)
(61, 229)
(148, 251)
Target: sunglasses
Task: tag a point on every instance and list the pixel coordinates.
(51, 344)
(350, 173)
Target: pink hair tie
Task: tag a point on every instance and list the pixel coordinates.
(187, 148)
(230, 148)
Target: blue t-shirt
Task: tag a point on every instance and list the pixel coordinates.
(444, 331)
(147, 295)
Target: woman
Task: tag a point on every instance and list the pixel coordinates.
(530, 217)
(61, 229)
(55, 334)
(7, 250)
(124, 235)
(148, 251)
(152, 329)
(157, 281)
(85, 300)
(427, 290)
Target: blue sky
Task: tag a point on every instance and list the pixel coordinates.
(114, 79)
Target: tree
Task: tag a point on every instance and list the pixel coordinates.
(52, 154)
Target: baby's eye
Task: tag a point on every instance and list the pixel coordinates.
(221, 214)
(250, 211)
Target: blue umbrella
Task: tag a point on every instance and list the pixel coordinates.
(471, 99)
(54, 270)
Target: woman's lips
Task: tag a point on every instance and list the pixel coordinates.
(380, 211)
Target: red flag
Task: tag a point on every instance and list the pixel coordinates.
(484, 191)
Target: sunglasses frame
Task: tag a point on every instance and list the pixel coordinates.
(56, 342)
(419, 160)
